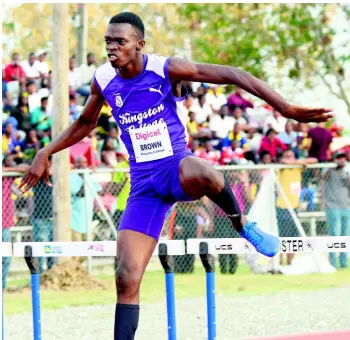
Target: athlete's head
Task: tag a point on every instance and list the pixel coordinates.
(124, 39)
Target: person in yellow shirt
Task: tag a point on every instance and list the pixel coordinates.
(290, 182)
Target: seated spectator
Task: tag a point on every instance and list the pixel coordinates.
(103, 123)
(87, 72)
(302, 139)
(42, 66)
(6, 98)
(254, 136)
(232, 154)
(33, 96)
(39, 118)
(221, 124)
(238, 116)
(13, 72)
(272, 144)
(265, 158)
(194, 147)
(236, 100)
(275, 121)
(209, 153)
(21, 113)
(288, 136)
(109, 153)
(30, 146)
(10, 145)
(202, 109)
(29, 67)
(194, 130)
(320, 140)
(237, 134)
(215, 98)
(74, 112)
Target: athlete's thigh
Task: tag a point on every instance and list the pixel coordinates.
(197, 176)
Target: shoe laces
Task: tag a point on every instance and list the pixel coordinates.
(254, 237)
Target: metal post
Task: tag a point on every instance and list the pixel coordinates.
(87, 218)
(209, 265)
(34, 267)
(168, 266)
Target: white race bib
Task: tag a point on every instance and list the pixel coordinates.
(151, 142)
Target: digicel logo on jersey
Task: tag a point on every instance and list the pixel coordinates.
(148, 134)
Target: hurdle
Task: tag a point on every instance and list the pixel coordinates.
(207, 248)
(165, 250)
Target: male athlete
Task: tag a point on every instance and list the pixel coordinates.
(145, 93)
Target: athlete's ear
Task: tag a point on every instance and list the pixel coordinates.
(140, 45)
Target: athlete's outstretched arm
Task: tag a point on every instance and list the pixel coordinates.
(181, 69)
(73, 134)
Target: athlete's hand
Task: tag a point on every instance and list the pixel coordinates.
(39, 167)
(307, 115)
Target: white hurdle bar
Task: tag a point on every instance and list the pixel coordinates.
(103, 248)
(329, 244)
(6, 249)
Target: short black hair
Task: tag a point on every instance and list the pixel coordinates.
(132, 19)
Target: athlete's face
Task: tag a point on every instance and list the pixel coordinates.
(123, 44)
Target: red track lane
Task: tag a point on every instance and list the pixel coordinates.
(340, 335)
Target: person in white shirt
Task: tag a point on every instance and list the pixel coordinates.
(87, 72)
(29, 67)
(74, 75)
(215, 99)
(221, 123)
(41, 65)
(275, 121)
(34, 99)
(202, 109)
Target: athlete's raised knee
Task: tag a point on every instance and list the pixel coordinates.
(211, 181)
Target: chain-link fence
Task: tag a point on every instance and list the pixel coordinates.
(297, 197)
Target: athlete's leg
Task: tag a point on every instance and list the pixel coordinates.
(198, 178)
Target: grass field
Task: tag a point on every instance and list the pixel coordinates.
(187, 285)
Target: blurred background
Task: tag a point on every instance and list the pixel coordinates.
(298, 173)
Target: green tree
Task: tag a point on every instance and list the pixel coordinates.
(299, 37)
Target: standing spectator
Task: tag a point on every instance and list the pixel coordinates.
(272, 144)
(337, 197)
(215, 99)
(30, 68)
(8, 208)
(39, 118)
(42, 217)
(33, 96)
(87, 72)
(81, 205)
(290, 182)
(14, 71)
(320, 140)
(236, 100)
(275, 121)
(21, 113)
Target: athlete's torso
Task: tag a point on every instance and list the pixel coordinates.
(149, 116)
